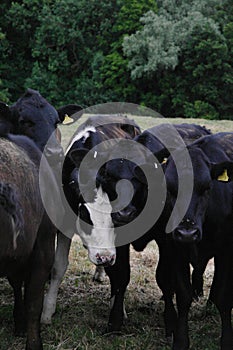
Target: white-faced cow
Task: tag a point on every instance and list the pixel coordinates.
(105, 191)
(94, 222)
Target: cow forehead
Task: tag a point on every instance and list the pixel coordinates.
(47, 113)
(199, 167)
(120, 168)
(100, 211)
(81, 135)
(100, 205)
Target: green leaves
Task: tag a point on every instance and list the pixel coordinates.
(183, 50)
(173, 56)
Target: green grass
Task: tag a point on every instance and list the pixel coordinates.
(83, 305)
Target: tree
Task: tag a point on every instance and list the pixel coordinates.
(187, 55)
(115, 72)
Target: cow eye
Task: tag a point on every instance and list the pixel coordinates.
(26, 123)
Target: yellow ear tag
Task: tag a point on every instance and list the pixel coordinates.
(164, 161)
(67, 120)
(223, 177)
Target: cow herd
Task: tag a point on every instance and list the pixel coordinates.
(122, 187)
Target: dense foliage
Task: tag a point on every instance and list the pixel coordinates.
(171, 55)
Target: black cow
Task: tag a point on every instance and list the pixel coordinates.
(168, 135)
(34, 117)
(92, 213)
(31, 115)
(205, 231)
(121, 168)
(27, 246)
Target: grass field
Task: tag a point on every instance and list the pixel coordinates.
(83, 305)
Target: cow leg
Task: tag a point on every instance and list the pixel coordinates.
(58, 271)
(183, 291)
(197, 277)
(165, 281)
(221, 295)
(19, 310)
(99, 274)
(40, 266)
(119, 275)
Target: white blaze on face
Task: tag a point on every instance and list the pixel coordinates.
(85, 133)
(100, 242)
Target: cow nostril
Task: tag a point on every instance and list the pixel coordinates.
(186, 235)
(105, 260)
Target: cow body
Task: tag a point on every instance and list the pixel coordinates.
(121, 168)
(95, 223)
(115, 168)
(204, 232)
(34, 117)
(27, 249)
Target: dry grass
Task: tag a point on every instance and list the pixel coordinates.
(83, 305)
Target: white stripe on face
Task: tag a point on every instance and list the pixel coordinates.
(85, 133)
(101, 241)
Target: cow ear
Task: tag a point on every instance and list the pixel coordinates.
(6, 119)
(162, 155)
(70, 113)
(5, 112)
(222, 172)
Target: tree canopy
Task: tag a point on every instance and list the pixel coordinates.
(171, 55)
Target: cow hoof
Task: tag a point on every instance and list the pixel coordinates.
(21, 333)
(197, 296)
(45, 320)
(112, 331)
(99, 274)
(169, 339)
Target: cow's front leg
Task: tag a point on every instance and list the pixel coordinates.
(99, 274)
(119, 275)
(58, 271)
(165, 280)
(183, 291)
(221, 295)
(19, 310)
(198, 271)
(40, 266)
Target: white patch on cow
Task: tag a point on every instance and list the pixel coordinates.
(101, 241)
(15, 233)
(112, 301)
(85, 133)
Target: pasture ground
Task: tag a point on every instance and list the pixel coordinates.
(83, 305)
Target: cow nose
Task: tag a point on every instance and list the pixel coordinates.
(105, 260)
(124, 215)
(186, 235)
(54, 153)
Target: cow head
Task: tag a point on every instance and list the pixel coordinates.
(34, 117)
(93, 209)
(205, 175)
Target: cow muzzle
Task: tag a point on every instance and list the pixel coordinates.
(124, 216)
(54, 155)
(104, 257)
(187, 235)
